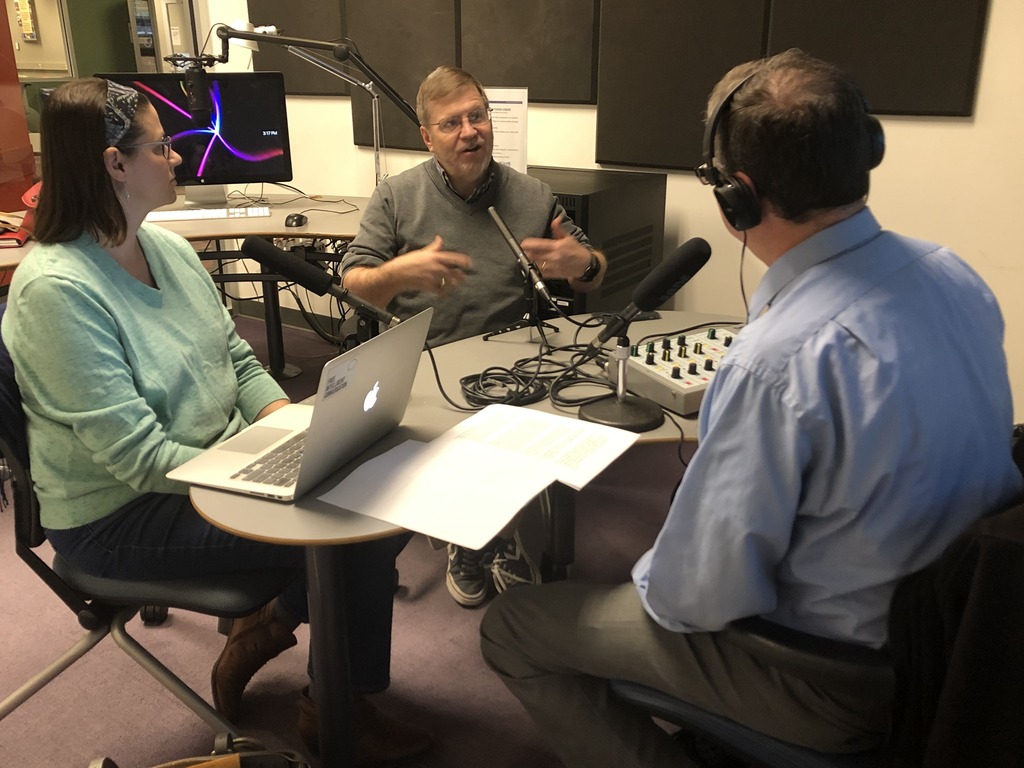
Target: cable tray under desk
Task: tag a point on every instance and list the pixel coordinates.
(674, 374)
(205, 214)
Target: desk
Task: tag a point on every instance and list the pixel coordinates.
(324, 529)
(326, 219)
(337, 220)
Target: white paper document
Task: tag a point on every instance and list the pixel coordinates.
(508, 125)
(466, 485)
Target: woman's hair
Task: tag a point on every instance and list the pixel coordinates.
(799, 128)
(77, 193)
(441, 82)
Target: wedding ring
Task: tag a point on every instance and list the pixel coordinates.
(442, 281)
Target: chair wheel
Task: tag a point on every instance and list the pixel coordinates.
(224, 744)
(153, 615)
(247, 744)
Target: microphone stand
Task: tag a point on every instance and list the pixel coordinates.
(335, 70)
(637, 414)
(531, 317)
(301, 47)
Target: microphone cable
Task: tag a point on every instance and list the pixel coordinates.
(494, 385)
(502, 386)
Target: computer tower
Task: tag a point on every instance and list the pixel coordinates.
(623, 214)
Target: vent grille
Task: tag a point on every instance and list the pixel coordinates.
(629, 255)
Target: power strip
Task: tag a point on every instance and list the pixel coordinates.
(674, 371)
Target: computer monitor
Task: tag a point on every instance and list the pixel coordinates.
(246, 139)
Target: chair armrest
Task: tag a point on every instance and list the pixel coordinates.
(817, 660)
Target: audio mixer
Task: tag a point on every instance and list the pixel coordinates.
(674, 371)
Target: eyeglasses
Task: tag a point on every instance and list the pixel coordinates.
(708, 174)
(164, 144)
(475, 118)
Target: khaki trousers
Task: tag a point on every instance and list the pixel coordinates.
(555, 646)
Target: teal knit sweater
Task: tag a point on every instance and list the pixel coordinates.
(122, 382)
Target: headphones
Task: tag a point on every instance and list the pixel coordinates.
(738, 202)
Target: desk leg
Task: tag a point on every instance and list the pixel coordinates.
(329, 644)
(278, 368)
(560, 525)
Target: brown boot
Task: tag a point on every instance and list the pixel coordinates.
(378, 740)
(253, 641)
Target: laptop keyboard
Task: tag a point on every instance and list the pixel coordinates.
(277, 467)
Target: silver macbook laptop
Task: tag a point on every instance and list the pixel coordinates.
(362, 396)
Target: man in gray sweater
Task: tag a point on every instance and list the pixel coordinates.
(426, 239)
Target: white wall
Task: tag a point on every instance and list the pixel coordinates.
(958, 181)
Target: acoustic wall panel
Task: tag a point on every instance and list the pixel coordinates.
(912, 57)
(549, 46)
(308, 19)
(659, 60)
(403, 42)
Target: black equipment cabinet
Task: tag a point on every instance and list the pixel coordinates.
(623, 214)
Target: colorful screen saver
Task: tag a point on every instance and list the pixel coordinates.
(246, 139)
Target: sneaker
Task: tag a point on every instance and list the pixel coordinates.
(512, 567)
(467, 576)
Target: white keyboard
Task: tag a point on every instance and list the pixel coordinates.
(200, 214)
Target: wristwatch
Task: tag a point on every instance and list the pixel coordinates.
(592, 269)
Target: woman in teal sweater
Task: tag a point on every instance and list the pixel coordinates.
(129, 365)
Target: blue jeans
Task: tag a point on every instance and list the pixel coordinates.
(161, 536)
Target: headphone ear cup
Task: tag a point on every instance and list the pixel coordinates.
(739, 204)
(877, 138)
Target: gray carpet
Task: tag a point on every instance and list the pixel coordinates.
(107, 706)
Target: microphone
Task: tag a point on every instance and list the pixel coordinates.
(308, 276)
(660, 284)
(197, 96)
(529, 268)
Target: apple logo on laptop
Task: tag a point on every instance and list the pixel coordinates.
(371, 397)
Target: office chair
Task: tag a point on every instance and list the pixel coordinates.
(104, 606)
(815, 659)
(953, 664)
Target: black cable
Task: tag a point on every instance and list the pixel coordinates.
(498, 385)
(311, 320)
(440, 386)
(743, 288)
(682, 437)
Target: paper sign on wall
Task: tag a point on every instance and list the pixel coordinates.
(508, 122)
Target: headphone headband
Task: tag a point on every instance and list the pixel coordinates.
(738, 201)
(707, 170)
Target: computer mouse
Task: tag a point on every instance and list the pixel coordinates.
(295, 220)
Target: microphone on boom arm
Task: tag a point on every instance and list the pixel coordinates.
(308, 276)
(660, 285)
(197, 95)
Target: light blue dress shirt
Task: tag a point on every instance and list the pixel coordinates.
(860, 421)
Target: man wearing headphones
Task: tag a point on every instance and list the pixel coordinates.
(859, 423)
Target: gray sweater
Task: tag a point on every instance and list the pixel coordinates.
(407, 211)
